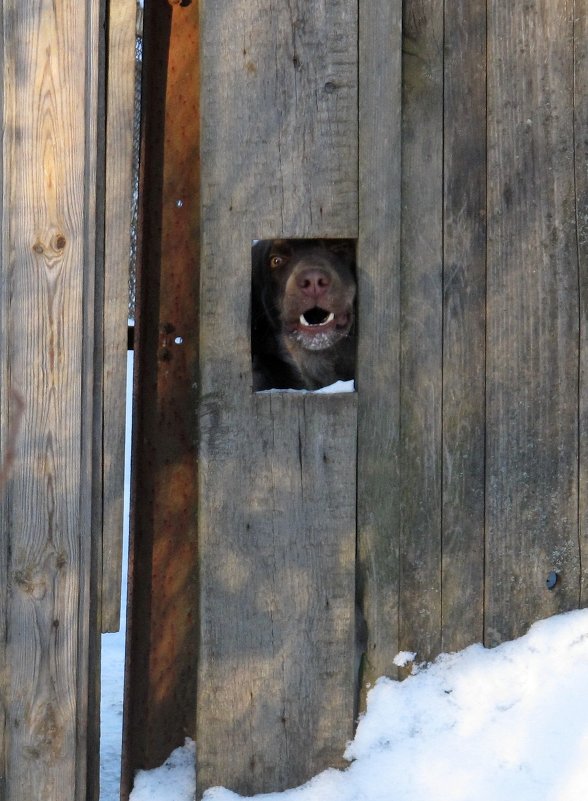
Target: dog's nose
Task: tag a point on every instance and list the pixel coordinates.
(313, 283)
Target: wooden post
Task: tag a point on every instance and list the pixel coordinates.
(277, 473)
(51, 326)
(163, 640)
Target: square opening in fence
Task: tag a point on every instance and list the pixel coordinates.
(303, 310)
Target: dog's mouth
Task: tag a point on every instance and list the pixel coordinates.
(318, 328)
(317, 318)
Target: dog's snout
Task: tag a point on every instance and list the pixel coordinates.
(313, 283)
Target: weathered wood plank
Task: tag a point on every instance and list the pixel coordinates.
(464, 299)
(47, 287)
(5, 418)
(532, 342)
(119, 185)
(277, 473)
(163, 640)
(380, 65)
(581, 179)
(298, 67)
(421, 329)
(275, 689)
(92, 423)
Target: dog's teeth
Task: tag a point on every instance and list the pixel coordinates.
(304, 321)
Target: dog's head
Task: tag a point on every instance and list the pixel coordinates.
(304, 299)
(307, 288)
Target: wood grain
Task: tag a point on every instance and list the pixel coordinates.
(380, 53)
(48, 256)
(6, 424)
(87, 758)
(532, 342)
(581, 182)
(277, 473)
(275, 688)
(421, 290)
(464, 299)
(119, 185)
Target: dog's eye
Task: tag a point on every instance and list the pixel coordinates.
(277, 261)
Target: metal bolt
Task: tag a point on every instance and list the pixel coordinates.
(551, 580)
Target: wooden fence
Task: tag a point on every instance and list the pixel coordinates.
(450, 140)
(65, 210)
(449, 493)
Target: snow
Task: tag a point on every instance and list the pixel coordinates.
(404, 658)
(338, 386)
(332, 389)
(113, 650)
(479, 725)
(174, 781)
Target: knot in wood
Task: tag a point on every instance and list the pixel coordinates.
(31, 583)
(58, 242)
(56, 245)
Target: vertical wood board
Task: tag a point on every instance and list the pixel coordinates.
(581, 182)
(285, 86)
(277, 547)
(120, 110)
(421, 329)
(277, 473)
(49, 118)
(92, 375)
(5, 418)
(464, 313)
(380, 49)
(532, 342)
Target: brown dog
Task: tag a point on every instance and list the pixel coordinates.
(302, 313)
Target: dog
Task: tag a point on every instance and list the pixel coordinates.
(303, 313)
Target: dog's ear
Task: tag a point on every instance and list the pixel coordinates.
(262, 303)
(259, 253)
